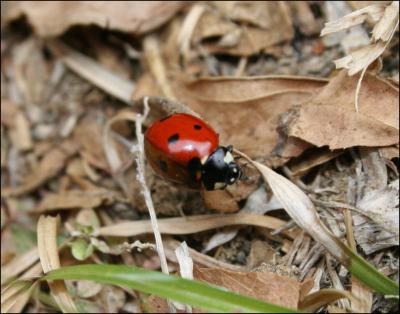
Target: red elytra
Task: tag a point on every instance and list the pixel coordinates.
(182, 137)
(184, 149)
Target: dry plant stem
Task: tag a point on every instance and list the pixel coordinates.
(145, 189)
(358, 88)
(188, 26)
(156, 65)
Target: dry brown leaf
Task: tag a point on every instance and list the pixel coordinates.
(265, 286)
(53, 18)
(255, 103)
(244, 28)
(311, 159)
(190, 224)
(316, 300)
(49, 259)
(220, 200)
(74, 199)
(49, 166)
(330, 119)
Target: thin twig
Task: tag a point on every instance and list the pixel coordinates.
(145, 189)
(358, 88)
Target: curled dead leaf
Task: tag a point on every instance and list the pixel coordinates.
(330, 119)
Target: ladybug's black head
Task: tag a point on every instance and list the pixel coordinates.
(220, 169)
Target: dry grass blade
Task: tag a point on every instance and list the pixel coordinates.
(316, 300)
(156, 64)
(300, 208)
(192, 224)
(15, 296)
(188, 26)
(93, 72)
(49, 259)
(19, 264)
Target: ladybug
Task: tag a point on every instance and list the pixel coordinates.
(185, 150)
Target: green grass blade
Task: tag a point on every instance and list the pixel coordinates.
(195, 293)
(374, 279)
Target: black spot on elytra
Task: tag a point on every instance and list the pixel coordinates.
(165, 118)
(197, 126)
(163, 166)
(173, 138)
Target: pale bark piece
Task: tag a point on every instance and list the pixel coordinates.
(330, 118)
(50, 18)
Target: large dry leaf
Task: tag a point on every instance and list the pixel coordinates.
(245, 111)
(49, 166)
(53, 18)
(265, 286)
(330, 118)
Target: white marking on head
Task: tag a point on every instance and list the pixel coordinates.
(228, 158)
(219, 185)
(232, 179)
(234, 170)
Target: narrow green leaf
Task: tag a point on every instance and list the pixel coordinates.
(191, 292)
(368, 274)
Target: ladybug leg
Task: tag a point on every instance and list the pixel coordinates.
(229, 148)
